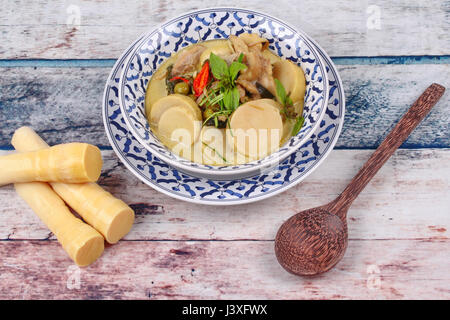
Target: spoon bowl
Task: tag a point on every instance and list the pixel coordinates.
(311, 242)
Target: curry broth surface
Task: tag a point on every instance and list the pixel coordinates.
(156, 90)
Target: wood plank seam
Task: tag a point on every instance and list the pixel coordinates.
(102, 63)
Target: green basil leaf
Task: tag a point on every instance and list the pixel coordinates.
(219, 67)
(298, 125)
(281, 92)
(235, 96)
(227, 99)
(289, 101)
(241, 57)
(235, 67)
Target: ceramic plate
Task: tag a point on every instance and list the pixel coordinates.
(160, 176)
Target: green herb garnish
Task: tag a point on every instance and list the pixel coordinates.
(215, 151)
(221, 71)
(236, 67)
(288, 105)
(231, 98)
(215, 115)
(298, 125)
(229, 127)
(281, 93)
(169, 84)
(241, 57)
(219, 67)
(225, 94)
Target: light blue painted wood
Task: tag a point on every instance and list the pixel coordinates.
(63, 104)
(102, 63)
(443, 59)
(57, 63)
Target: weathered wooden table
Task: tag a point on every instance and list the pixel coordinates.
(55, 58)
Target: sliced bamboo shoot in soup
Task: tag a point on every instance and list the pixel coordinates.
(173, 100)
(215, 150)
(255, 129)
(178, 126)
(225, 102)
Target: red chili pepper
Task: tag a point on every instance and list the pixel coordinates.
(179, 78)
(201, 80)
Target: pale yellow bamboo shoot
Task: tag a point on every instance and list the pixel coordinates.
(112, 217)
(82, 242)
(71, 162)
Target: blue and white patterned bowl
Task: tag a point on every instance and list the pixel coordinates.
(158, 45)
(163, 178)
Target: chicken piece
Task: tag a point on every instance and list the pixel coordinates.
(242, 93)
(254, 63)
(187, 60)
(259, 70)
(239, 45)
(254, 42)
(230, 58)
(250, 87)
(251, 59)
(259, 67)
(266, 76)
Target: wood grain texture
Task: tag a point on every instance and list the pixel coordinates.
(313, 241)
(398, 226)
(395, 205)
(415, 269)
(64, 104)
(401, 131)
(47, 29)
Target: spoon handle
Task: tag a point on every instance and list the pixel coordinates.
(395, 138)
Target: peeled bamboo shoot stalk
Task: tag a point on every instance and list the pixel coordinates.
(71, 162)
(112, 217)
(82, 242)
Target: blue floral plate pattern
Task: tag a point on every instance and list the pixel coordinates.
(160, 176)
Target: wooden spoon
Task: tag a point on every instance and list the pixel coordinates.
(314, 240)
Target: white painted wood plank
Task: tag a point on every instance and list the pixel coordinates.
(372, 269)
(51, 29)
(65, 103)
(408, 199)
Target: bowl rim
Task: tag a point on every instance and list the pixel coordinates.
(246, 168)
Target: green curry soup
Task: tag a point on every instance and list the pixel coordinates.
(226, 102)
